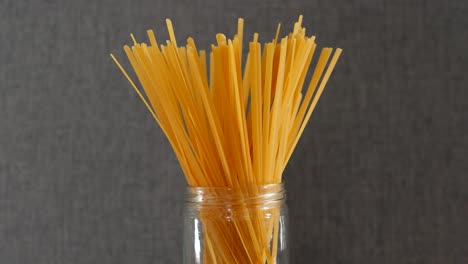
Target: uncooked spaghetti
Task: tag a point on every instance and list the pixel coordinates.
(232, 123)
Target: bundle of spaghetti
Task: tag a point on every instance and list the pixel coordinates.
(232, 123)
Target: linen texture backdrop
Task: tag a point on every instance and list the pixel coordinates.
(379, 176)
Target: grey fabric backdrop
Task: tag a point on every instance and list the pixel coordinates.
(380, 175)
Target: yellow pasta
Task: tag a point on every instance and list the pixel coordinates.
(232, 123)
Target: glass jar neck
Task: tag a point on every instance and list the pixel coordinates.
(251, 196)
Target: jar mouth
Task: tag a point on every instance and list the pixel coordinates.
(248, 195)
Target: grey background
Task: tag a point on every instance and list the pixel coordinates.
(380, 175)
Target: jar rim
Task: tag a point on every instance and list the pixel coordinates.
(236, 189)
(255, 194)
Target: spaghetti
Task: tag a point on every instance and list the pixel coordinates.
(232, 126)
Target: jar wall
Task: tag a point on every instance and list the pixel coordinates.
(233, 226)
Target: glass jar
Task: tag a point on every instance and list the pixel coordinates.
(236, 225)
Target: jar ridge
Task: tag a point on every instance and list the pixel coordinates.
(226, 196)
